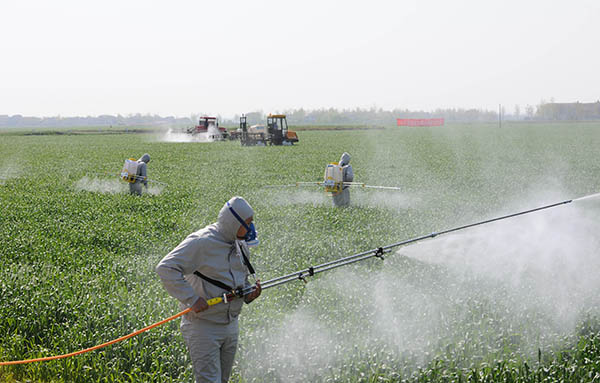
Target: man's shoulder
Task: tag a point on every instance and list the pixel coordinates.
(191, 244)
(199, 242)
(205, 234)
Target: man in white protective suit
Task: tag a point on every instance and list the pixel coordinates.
(343, 198)
(207, 264)
(141, 176)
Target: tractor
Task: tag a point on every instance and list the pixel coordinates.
(274, 133)
(251, 136)
(277, 130)
(210, 127)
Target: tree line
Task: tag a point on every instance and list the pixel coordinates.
(369, 116)
(545, 111)
(102, 120)
(574, 111)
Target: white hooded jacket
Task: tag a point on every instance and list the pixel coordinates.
(347, 172)
(211, 251)
(141, 170)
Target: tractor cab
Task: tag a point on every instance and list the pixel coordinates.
(205, 122)
(210, 126)
(277, 130)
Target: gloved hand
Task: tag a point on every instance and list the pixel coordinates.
(200, 305)
(255, 294)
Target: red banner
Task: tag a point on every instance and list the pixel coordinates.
(420, 121)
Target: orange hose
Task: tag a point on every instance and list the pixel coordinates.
(98, 346)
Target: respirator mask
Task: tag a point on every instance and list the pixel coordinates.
(251, 238)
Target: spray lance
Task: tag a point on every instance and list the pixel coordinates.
(122, 176)
(339, 185)
(373, 253)
(380, 251)
(303, 274)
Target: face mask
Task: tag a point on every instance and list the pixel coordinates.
(251, 237)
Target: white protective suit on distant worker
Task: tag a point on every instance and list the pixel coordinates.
(215, 252)
(343, 198)
(141, 176)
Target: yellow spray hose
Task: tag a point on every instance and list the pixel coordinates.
(210, 302)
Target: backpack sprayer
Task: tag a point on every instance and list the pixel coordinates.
(303, 274)
(333, 181)
(129, 171)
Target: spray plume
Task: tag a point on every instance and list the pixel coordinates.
(212, 134)
(508, 288)
(112, 186)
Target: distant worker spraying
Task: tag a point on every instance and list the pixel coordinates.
(135, 172)
(209, 263)
(342, 198)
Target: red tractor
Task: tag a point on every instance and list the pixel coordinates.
(209, 126)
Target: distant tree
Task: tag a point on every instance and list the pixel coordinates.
(529, 111)
(256, 117)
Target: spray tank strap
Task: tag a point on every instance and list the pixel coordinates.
(214, 281)
(247, 261)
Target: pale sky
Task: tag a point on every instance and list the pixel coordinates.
(179, 57)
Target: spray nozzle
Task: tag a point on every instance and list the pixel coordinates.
(302, 278)
(379, 253)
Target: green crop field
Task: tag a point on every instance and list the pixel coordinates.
(513, 302)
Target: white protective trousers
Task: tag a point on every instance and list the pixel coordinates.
(212, 347)
(135, 188)
(343, 198)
